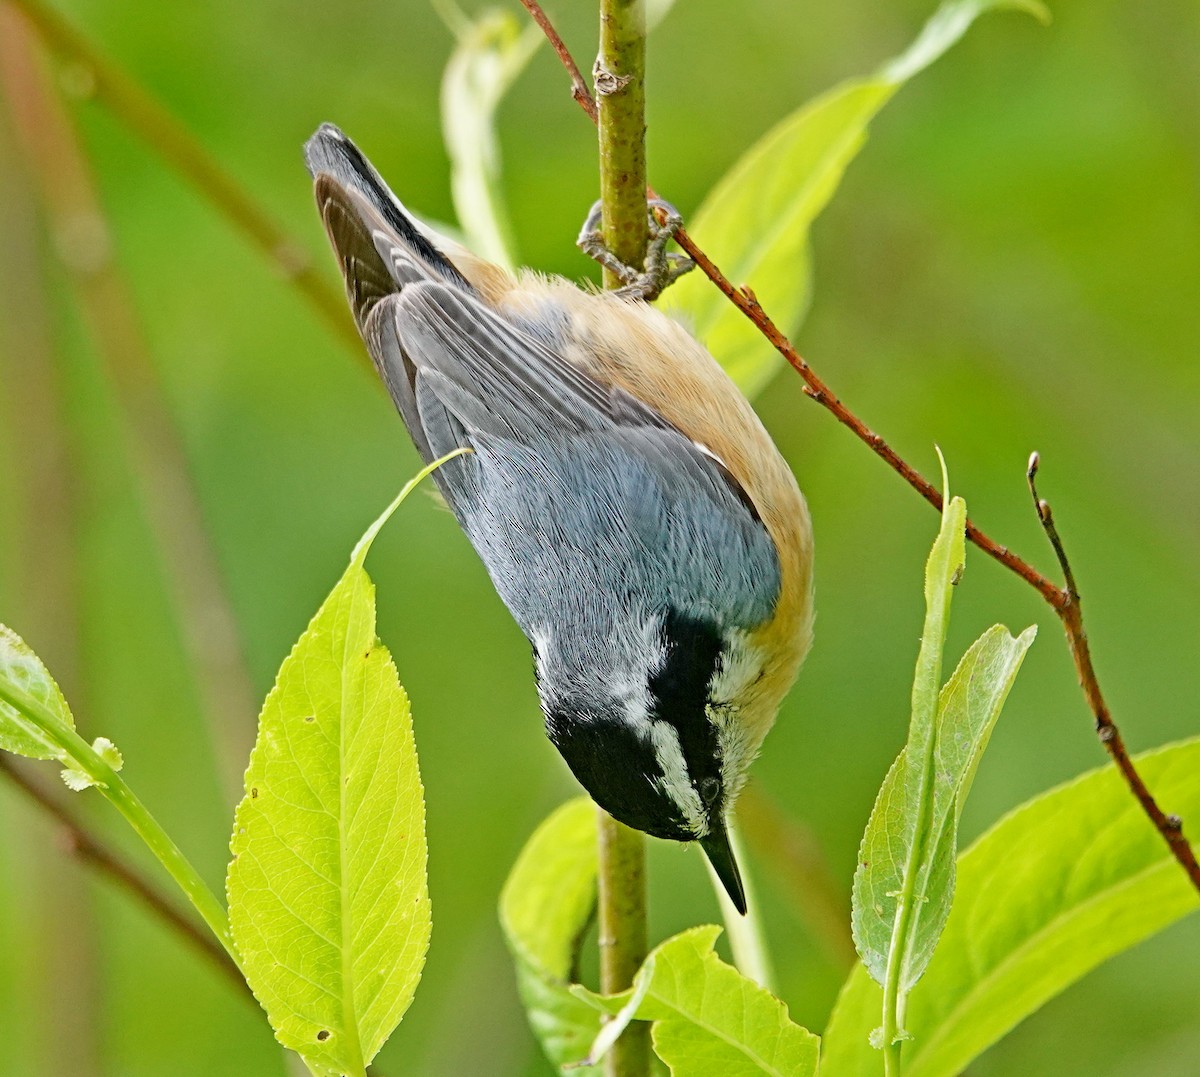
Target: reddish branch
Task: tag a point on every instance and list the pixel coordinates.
(579, 88)
(1071, 615)
(1063, 600)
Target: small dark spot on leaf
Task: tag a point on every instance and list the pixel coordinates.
(323, 1035)
(253, 793)
(311, 718)
(367, 653)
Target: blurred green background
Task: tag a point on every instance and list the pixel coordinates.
(1012, 263)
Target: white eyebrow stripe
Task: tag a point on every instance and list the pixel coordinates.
(675, 780)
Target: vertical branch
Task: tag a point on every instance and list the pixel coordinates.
(621, 93)
(1169, 827)
(620, 89)
(622, 916)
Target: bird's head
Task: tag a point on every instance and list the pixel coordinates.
(661, 758)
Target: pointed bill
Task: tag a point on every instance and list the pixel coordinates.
(717, 848)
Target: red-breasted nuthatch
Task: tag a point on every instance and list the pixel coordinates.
(632, 512)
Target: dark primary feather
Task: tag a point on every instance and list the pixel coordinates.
(330, 153)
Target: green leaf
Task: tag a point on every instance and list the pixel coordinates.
(24, 671)
(545, 907)
(328, 899)
(1060, 885)
(898, 848)
(709, 1018)
(968, 708)
(109, 752)
(754, 223)
(492, 51)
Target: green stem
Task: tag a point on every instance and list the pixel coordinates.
(623, 939)
(621, 96)
(168, 853)
(894, 995)
(183, 152)
(620, 91)
(921, 753)
(80, 755)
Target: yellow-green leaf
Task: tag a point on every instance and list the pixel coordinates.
(546, 904)
(709, 1018)
(1065, 882)
(898, 846)
(22, 669)
(328, 899)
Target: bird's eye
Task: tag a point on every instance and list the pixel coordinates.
(709, 789)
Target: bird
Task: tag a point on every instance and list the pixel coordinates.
(631, 510)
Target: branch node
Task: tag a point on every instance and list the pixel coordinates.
(1173, 822)
(1105, 731)
(606, 82)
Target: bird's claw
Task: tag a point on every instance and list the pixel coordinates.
(661, 269)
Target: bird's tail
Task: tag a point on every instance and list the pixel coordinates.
(367, 224)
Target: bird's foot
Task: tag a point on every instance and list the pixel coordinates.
(661, 269)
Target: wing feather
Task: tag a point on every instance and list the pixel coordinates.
(568, 474)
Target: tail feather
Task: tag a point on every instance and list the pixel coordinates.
(367, 224)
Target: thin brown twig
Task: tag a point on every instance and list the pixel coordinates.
(1063, 600)
(92, 851)
(1047, 518)
(1071, 615)
(579, 88)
